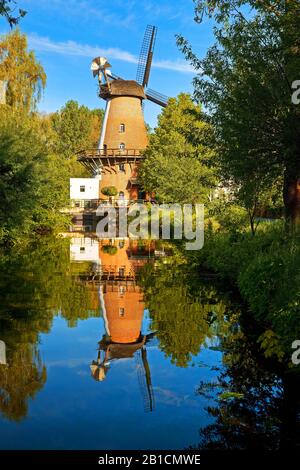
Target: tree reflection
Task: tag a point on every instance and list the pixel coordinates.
(36, 284)
(20, 380)
(184, 312)
(257, 401)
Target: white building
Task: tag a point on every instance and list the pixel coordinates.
(84, 249)
(2, 352)
(84, 188)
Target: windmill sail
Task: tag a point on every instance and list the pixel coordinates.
(156, 97)
(146, 54)
(144, 379)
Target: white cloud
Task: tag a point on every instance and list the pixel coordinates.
(44, 44)
(86, 10)
(176, 65)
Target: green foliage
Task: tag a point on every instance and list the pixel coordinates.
(109, 249)
(179, 162)
(270, 344)
(229, 215)
(24, 76)
(270, 283)
(245, 82)
(182, 313)
(37, 286)
(265, 268)
(33, 179)
(109, 191)
(226, 396)
(7, 9)
(251, 402)
(77, 128)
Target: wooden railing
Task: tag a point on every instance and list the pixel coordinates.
(106, 153)
(94, 203)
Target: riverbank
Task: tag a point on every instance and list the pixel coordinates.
(265, 270)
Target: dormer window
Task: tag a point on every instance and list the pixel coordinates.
(122, 127)
(122, 146)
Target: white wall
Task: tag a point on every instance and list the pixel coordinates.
(2, 352)
(91, 186)
(84, 249)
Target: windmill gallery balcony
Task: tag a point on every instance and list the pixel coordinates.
(94, 159)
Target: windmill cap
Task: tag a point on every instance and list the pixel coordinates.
(127, 88)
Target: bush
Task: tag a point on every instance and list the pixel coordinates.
(33, 179)
(266, 270)
(109, 191)
(109, 249)
(270, 284)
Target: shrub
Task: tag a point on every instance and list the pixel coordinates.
(109, 191)
(109, 249)
(266, 270)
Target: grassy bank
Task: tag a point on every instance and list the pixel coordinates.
(266, 270)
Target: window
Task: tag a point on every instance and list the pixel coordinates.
(122, 271)
(122, 127)
(122, 290)
(122, 146)
(121, 312)
(82, 189)
(122, 167)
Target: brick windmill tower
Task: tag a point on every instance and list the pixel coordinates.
(123, 134)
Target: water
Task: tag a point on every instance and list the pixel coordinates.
(122, 346)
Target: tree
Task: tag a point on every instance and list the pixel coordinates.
(9, 13)
(33, 293)
(179, 162)
(24, 76)
(245, 82)
(181, 309)
(77, 127)
(248, 399)
(33, 179)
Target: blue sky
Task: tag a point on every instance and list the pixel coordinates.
(67, 34)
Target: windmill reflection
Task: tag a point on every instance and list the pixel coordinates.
(122, 305)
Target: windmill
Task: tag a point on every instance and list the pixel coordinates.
(123, 308)
(114, 351)
(123, 135)
(100, 67)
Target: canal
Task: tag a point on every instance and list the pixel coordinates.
(121, 345)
